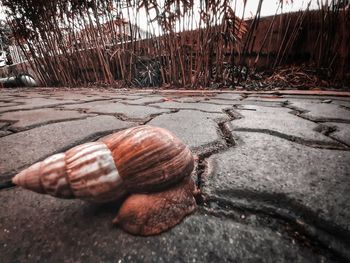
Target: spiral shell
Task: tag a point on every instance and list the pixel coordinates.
(137, 160)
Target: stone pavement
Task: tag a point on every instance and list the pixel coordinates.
(274, 171)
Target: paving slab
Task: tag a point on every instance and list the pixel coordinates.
(228, 96)
(87, 105)
(125, 96)
(312, 183)
(139, 93)
(266, 199)
(145, 100)
(192, 99)
(195, 128)
(75, 96)
(7, 104)
(48, 229)
(3, 124)
(278, 120)
(113, 107)
(221, 102)
(259, 103)
(119, 95)
(317, 98)
(322, 111)
(343, 103)
(4, 96)
(27, 119)
(4, 133)
(16, 94)
(33, 94)
(266, 98)
(24, 148)
(34, 103)
(341, 133)
(205, 107)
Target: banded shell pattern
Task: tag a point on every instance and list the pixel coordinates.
(137, 160)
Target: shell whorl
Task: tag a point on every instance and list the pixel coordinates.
(30, 178)
(93, 175)
(53, 176)
(149, 158)
(48, 176)
(86, 171)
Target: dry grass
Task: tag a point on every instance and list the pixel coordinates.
(71, 43)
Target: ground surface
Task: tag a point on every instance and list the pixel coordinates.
(274, 172)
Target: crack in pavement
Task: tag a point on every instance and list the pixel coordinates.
(194, 109)
(5, 130)
(337, 145)
(13, 104)
(315, 231)
(50, 106)
(122, 116)
(320, 128)
(328, 131)
(301, 113)
(6, 185)
(139, 121)
(142, 104)
(29, 127)
(292, 233)
(228, 141)
(259, 103)
(322, 237)
(152, 116)
(345, 107)
(119, 116)
(295, 139)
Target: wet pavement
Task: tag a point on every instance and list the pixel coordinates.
(274, 171)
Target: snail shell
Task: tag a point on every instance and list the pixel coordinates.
(137, 160)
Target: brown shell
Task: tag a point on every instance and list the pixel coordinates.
(86, 171)
(149, 158)
(92, 173)
(53, 176)
(151, 214)
(136, 160)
